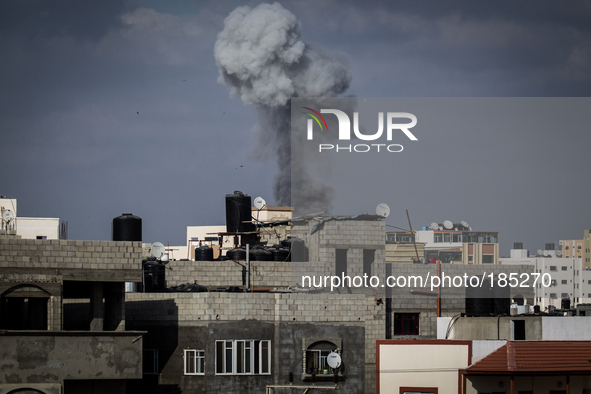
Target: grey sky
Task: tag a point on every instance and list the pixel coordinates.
(75, 75)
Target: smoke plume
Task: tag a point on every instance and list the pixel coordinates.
(261, 58)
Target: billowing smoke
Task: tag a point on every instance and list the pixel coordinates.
(262, 59)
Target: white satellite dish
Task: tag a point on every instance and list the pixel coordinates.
(157, 250)
(540, 252)
(465, 224)
(448, 225)
(333, 360)
(383, 210)
(546, 253)
(7, 215)
(259, 203)
(434, 226)
(559, 253)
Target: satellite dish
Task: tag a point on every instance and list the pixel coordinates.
(559, 253)
(333, 360)
(259, 203)
(434, 226)
(383, 210)
(157, 249)
(540, 252)
(448, 225)
(546, 253)
(465, 224)
(7, 215)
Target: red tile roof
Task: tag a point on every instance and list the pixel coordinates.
(529, 357)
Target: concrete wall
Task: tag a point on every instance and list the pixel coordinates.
(427, 364)
(52, 357)
(72, 260)
(178, 321)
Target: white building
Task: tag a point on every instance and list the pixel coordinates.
(559, 278)
(27, 227)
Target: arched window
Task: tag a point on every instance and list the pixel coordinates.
(315, 353)
(24, 307)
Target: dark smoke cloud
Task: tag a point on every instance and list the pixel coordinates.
(262, 59)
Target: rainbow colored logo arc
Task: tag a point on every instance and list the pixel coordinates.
(315, 115)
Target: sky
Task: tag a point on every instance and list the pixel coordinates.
(113, 107)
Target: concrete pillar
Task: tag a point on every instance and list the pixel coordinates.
(97, 307)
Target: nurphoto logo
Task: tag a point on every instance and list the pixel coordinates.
(344, 131)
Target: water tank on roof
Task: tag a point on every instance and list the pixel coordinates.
(236, 254)
(154, 276)
(238, 211)
(203, 253)
(518, 245)
(127, 227)
(260, 254)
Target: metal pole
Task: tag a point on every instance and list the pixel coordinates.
(248, 269)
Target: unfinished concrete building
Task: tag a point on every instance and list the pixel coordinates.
(62, 316)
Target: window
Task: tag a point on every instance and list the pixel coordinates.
(341, 262)
(564, 268)
(368, 259)
(552, 268)
(564, 281)
(315, 353)
(447, 237)
(564, 295)
(194, 362)
(437, 238)
(552, 295)
(418, 390)
(41, 237)
(406, 324)
(518, 330)
(488, 259)
(150, 361)
(243, 357)
(457, 238)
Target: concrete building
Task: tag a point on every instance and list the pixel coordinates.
(557, 279)
(456, 245)
(26, 227)
(577, 249)
(62, 316)
(421, 366)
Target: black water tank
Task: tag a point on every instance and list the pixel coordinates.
(279, 253)
(236, 254)
(565, 303)
(549, 246)
(297, 248)
(517, 245)
(238, 210)
(260, 254)
(479, 301)
(203, 253)
(154, 276)
(127, 227)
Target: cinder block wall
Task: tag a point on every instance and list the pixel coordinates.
(69, 254)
